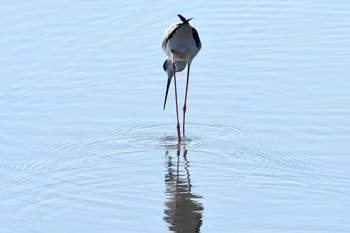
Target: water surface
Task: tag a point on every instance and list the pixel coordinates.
(86, 147)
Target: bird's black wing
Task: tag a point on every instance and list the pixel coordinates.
(172, 33)
(196, 37)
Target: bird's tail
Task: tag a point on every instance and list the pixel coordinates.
(167, 90)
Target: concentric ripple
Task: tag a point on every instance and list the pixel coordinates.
(149, 135)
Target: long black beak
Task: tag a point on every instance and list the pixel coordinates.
(166, 92)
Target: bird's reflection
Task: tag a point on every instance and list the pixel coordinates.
(183, 211)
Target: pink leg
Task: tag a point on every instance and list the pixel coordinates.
(177, 108)
(184, 108)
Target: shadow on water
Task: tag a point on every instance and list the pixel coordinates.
(183, 211)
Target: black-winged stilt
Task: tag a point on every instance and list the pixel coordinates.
(181, 44)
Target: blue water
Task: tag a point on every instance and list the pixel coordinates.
(86, 147)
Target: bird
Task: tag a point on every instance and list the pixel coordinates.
(181, 43)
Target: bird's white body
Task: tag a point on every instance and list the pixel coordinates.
(181, 44)
(179, 39)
